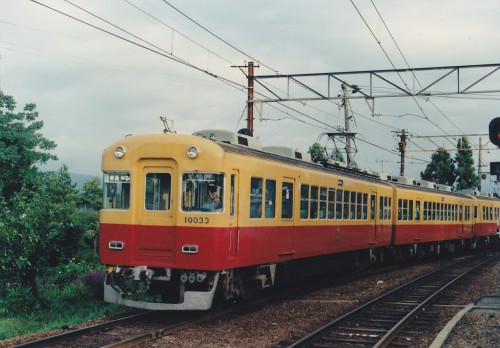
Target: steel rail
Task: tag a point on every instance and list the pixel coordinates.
(314, 336)
(392, 333)
(43, 342)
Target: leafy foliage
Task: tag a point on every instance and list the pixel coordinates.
(441, 169)
(21, 146)
(91, 195)
(316, 151)
(38, 231)
(465, 171)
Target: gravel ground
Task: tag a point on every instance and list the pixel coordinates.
(281, 323)
(278, 325)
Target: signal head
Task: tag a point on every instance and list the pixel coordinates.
(495, 131)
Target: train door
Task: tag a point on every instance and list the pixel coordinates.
(234, 216)
(155, 237)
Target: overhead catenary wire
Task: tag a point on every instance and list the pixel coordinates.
(218, 37)
(178, 32)
(394, 67)
(166, 55)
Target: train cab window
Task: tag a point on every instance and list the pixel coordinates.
(202, 192)
(331, 203)
(417, 210)
(322, 202)
(410, 210)
(313, 206)
(157, 192)
(287, 200)
(116, 191)
(475, 212)
(304, 201)
(270, 199)
(256, 198)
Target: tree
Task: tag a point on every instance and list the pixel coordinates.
(37, 230)
(91, 194)
(21, 146)
(441, 168)
(316, 151)
(87, 220)
(465, 171)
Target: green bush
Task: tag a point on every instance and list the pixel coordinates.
(18, 300)
(66, 273)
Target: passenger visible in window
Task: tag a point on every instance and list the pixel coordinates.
(213, 201)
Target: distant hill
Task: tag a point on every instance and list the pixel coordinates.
(79, 179)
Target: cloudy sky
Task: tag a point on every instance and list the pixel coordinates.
(93, 88)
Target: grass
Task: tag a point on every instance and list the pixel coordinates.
(62, 307)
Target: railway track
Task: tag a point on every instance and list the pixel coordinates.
(378, 323)
(124, 332)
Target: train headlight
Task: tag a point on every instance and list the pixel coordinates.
(193, 152)
(120, 152)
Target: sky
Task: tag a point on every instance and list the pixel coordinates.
(92, 85)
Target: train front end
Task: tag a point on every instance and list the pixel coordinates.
(163, 222)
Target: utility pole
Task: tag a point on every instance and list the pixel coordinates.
(348, 146)
(250, 97)
(479, 163)
(402, 150)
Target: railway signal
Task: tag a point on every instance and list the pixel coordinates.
(495, 131)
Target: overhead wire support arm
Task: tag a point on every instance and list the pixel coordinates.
(380, 75)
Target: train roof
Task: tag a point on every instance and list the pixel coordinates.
(247, 145)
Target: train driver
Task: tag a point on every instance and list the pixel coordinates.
(213, 201)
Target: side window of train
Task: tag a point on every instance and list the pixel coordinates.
(389, 208)
(270, 202)
(157, 195)
(352, 214)
(331, 203)
(373, 201)
(313, 206)
(338, 206)
(346, 204)
(417, 210)
(365, 206)
(256, 198)
(381, 208)
(359, 208)
(287, 200)
(304, 201)
(322, 202)
(232, 197)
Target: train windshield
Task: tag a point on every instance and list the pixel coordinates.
(202, 192)
(116, 191)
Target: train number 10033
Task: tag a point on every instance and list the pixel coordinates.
(196, 220)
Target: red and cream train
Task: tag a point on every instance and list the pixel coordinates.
(191, 218)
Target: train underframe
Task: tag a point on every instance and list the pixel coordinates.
(172, 289)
